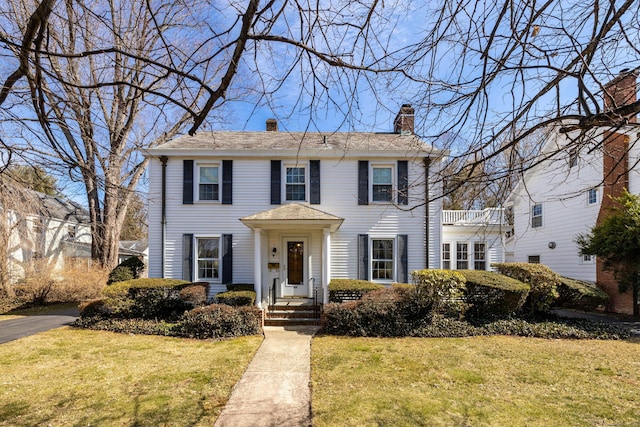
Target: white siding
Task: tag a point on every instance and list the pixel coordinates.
(491, 235)
(251, 194)
(562, 191)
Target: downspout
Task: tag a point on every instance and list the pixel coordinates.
(163, 220)
(427, 164)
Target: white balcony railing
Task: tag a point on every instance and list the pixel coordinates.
(490, 216)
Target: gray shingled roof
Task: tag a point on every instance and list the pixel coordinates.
(287, 141)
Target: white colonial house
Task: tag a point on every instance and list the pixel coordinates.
(45, 234)
(570, 188)
(473, 239)
(287, 212)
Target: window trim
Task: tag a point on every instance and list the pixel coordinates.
(196, 187)
(594, 191)
(394, 260)
(467, 259)
(442, 256)
(584, 261)
(530, 261)
(196, 259)
(284, 183)
(534, 216)
(484, 255)
(394, 184)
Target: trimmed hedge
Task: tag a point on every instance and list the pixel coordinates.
(580, 295)
(443, 290)
(220, 321)
(350, 289)
(542, 279)
(129, 269)
(237, 298)
(122, 288)
(492, 294)
(240, 287)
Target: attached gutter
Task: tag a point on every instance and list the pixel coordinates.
(163, 220)
(427, 165)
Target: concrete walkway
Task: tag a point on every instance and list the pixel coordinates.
(274, 391)
(14, 329)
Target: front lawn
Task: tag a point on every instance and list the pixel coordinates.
(78, 377)
(477, 381)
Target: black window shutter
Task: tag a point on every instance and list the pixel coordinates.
(363, 256)
(403, 270)
(403, 182)
(363, 182)
(187, 257)
(314, 185)
(227, 258)
(227, 182)
(187, 182)
(276, 177)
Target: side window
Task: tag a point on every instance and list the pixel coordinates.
(295, 184)
(208, 258)
(208, 183)
(592, 196)
(479, 256)
(382, 184)
(446, 256)
(462, 256)
(382, 259)
(536, 216)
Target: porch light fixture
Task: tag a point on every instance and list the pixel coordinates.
(274, 251)
(552, 245)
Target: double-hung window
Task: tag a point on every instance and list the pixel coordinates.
(446, 256)
(536, 216)
(592, 196)
(462, 256)
(382, 259)
(208, 183)
(208, 253)
(295, 183)
(479, 256)
(382, 183)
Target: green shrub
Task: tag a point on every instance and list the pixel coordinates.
(96, 308)
(220, 321)
(580, 295)
(387, 312)
(237, 298)
(240, 287)
(120, 289)
(350, 289)
(128, 326)
(542, 280)
(443, 290)
(194, 294)
(129, 269)
(491, 294)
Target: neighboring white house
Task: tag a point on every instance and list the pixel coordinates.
(569, 189)
(472, 239)
(45, 234)
(290, 211)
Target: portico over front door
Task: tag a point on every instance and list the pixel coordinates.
(295, 267)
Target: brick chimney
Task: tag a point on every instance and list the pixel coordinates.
(620, 91)
(272, 125)
(404, 121)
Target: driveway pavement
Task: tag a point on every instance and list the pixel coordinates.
(14, 329)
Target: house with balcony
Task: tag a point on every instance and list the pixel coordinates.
(472, 239)
(287, 212)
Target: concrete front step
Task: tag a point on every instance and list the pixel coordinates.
(289, 313)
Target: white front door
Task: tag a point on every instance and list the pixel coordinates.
(295, 267)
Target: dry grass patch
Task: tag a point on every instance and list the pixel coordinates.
(9, 317)
(80, 377)
(478, 381)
